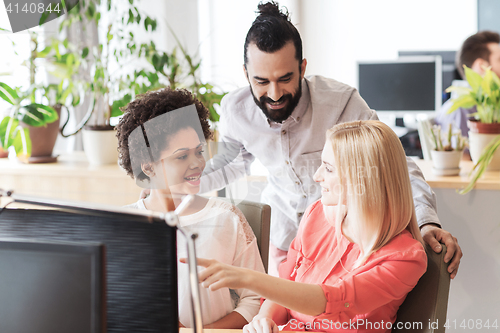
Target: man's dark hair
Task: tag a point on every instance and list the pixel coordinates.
(148, 106)
(271, 30)
(476, 47)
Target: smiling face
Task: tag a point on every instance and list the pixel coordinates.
(328, 177)
(275, 80)
(182, 162)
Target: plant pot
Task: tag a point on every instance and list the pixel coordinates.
(479, 127)
(446, 163)
(43, 140)
(4, 153)
(480, 135)
(100, 145)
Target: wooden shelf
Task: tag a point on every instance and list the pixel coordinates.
(71, 178)
(489, 181)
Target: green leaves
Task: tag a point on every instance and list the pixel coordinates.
(85, 52)
(38, 115)
(149, 23)
(91, 10)
(7, 129)
(115, 108)
(459, 90)
(484, 93)
(209, 98)
(11, 134)
(473, 78)
(45, 52)
(463, 101)
(22, 143)
(482, 164)
(8, 94)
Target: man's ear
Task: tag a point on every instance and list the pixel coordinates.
(246, 73)
(148, 169)
(303, 68)
(479, 65)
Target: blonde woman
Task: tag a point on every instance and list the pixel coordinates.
(358, 251)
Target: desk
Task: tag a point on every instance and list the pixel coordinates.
(474, 219)
(205, 330)
(71, 178)
(489, 180)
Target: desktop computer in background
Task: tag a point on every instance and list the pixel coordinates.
(448, 67)
(401, 91)
(140, 262)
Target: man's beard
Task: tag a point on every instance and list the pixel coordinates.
(279, 115)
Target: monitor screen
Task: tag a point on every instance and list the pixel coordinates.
(403, 85)
(51, 287)
(141, 263)
(449, 68)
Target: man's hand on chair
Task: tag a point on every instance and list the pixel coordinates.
(434, 235)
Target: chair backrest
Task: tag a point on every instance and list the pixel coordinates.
(258, 216)
(426, 305)
(424, 129)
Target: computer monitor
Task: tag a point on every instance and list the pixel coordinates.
(52, 287)
(402, 86)
(141, 263)
(449, 67)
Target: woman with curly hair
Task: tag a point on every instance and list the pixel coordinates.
(161, 138)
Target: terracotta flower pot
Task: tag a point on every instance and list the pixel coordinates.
(43, 140)
(3, 153)
(479, 127)
(480, 135)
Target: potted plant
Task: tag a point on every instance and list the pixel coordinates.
(24, 110)
(484, 93)
(108, 89)
(42, 123)
(447, 151)
(179, 71)
(484, 128)
(32, 123)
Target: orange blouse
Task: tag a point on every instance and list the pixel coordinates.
(363, 299)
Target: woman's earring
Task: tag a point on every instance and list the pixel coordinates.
(148, 170)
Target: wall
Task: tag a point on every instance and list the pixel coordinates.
(337, 33)
(376, 30)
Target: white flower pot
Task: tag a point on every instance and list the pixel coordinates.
(477, 142)
(101, 147)
(446, 163)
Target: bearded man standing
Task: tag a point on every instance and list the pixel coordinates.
(282, 118)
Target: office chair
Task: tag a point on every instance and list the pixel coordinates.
(258, 216)
(428, 301)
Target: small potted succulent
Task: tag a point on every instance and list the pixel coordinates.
(447, 152)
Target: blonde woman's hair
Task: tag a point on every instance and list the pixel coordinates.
(375, 184)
